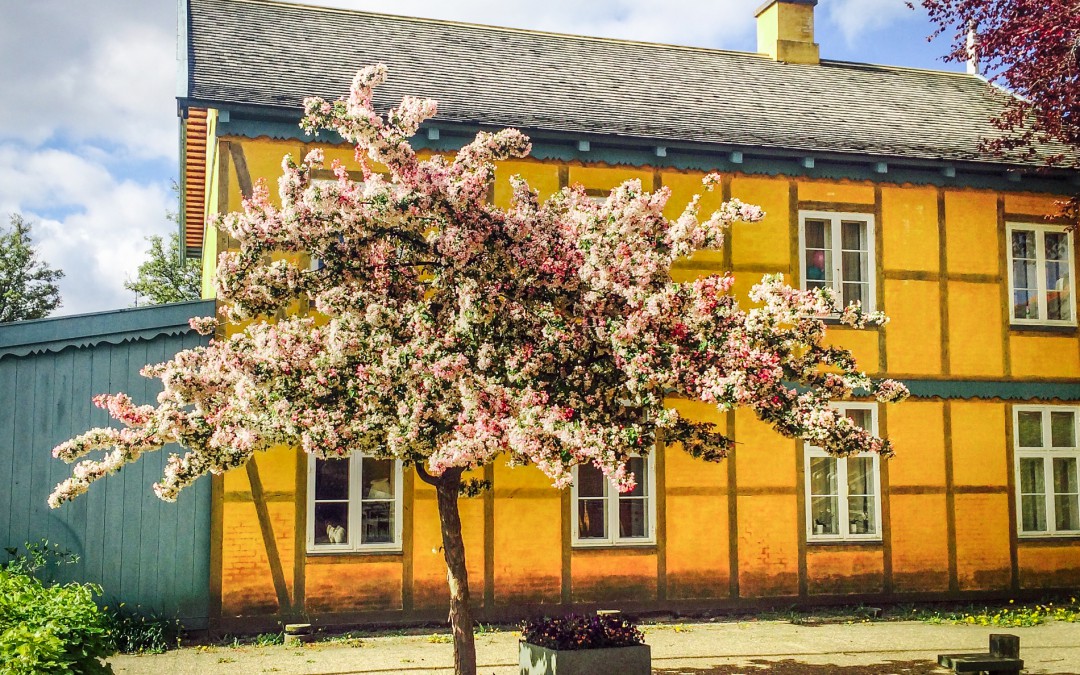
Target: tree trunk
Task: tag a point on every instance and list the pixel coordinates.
(461, 624)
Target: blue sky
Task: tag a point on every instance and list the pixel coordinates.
(88, 128)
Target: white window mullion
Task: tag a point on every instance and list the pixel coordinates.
(842, 499)
(1040, 276)
(1048, 496)
(838, 261)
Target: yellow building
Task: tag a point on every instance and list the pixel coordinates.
(873, 183)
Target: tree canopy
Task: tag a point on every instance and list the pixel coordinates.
(167, 276)
(1032, 49)
(445, 331)
(28, 287)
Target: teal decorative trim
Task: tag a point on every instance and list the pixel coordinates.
(257, 123)
(987, 389)
(22, 338)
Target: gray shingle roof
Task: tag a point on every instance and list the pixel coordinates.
(271, 53)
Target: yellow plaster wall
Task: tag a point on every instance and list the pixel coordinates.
(917, 430)
(263, 157)
(764, 458)
(863, 344)
(768, 531)
(352, 584)
(979, 440)
(528, 569)
(975, 344)
(697, 545)
(1032, 204)
(1048, 566)
(982, 541)
(767, 243)
(913, 336)
(909, 229)
(429, 566)
(844, 570)
(847, 192)
(1044, 356)
(970, 229)
(613, 574)
(544, 178)
(920, 542)
(683, 186)
(607, 178)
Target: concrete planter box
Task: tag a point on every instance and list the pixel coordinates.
(636, 660)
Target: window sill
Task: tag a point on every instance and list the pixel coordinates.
(361, 553)
(1043, 328)
(1044, 538)
(845, 543)
(614, 546)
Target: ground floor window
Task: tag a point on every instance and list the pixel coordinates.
(354, 504)
(605, 517)
(843, 500)
(1046, 452)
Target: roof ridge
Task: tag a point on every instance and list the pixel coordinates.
(591, 38)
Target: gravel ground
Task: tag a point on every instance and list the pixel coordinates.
(730, 648)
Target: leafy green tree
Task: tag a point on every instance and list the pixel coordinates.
(167, 276)
(28, 287)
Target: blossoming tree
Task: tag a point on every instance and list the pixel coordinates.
(447, 332)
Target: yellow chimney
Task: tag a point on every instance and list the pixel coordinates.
(785, 31)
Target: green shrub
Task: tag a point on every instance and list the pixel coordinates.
(139, 632)
(51, 630)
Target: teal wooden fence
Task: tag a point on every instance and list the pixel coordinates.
(142, 551)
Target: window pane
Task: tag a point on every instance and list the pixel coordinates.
(1034, 519)
(1063, 429)
(1065, 475)
(1025, 305)
(637, 466)
(853, 235)
(823, 476)
(1030, 423)
(377, 478)
(1065, 513)
(331, 479)
(818, 234)
(332, 523)
(592, 519)
(862, 417)
(1031, 476)
(1023, 244)
(1057, 246)
(861, 516)
(854, 266)
(1025, 274)
(857, 293)
(860, 472)
(591, 481)
(825, 512)
(377, 523)
(633, 518)
(818, 265)
(1058, 304)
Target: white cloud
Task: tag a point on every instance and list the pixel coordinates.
(856, 18)
(89, 224)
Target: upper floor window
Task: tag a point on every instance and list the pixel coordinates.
(836, 251)
(1041, 274)
(606, 517)
(843, 493)
(1046, 464)
(354, 504)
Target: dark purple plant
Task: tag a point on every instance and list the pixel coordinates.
(575, 631)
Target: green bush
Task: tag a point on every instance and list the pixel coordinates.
(47, 630)
(138, 632)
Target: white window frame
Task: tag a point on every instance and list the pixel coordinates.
(354, 544)
(811, 451)
(1040, 230)
(1047, 453)
(611, 507)
(835, 218)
